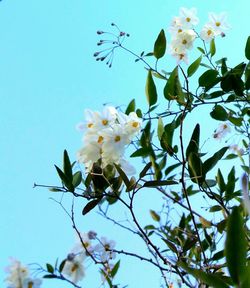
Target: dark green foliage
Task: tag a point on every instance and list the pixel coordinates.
(160, 45)
(194, 67)
(150, 90)
(235, 246)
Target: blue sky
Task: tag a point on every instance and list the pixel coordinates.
(48, 76)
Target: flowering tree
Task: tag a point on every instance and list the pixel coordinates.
(201, 232)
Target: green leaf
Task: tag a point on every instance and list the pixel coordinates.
(214, 280)
(173, 89)
(156, 183)
(145, 169)
(235, 246)
(201, 50)
(219, 255)
(230, 184)
(77, 179)
(64, 179)
(195, 168)
(49, 276)
(171, 245)
(160, 128)
(167, 137)
(155, 216)
(232, 81)
(62, 265)
(150, 90)
(115, 269)
(90, 205)
(223, 66)
(247, 48)
(245, 283)
(171, 168)
(219, 113)
(194, 66)
(215, 208)
(220, 181)
(67, 168)
(131, 107)
(50, 268)
(212, 161)
(123, 175)
(193, 145)
(160, 45)
(142, 152)
(53, 189)
(212, 48)
(235, 121)
(209, 79)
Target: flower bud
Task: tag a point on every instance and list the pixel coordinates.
(71, 256)
(92, 234)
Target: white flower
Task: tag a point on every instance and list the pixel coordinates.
(89, 154)
(90, 124)
(80, 248)
(222, 131)
(74, 268)
(179, 55)
(184, 40)
(106, 118)
(115, 140)
(188, 17)
(131, 123)
(105, 249)
(245, 191)
(207, 33)
(236, 149)
(19, 276)
(17, 273)
(218, 22)
(176, 26)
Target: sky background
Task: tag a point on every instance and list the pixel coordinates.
(48, 76)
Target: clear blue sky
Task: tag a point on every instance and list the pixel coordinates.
(48, 76)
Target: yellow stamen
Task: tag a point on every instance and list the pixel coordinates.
(86, 244)
(188, 19)
(117, 138)
(90, 125)
(106, 247)
(30, 284)
(217, 24)
(209, 32)
(135, 124)
(184, 41)
(74, 268)
(100, 140)
(104, 122)
(179, 30)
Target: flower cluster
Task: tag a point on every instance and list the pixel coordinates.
(106, 136)
(217, 25)
(19, 276)
(102, 251)
(184, 35)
